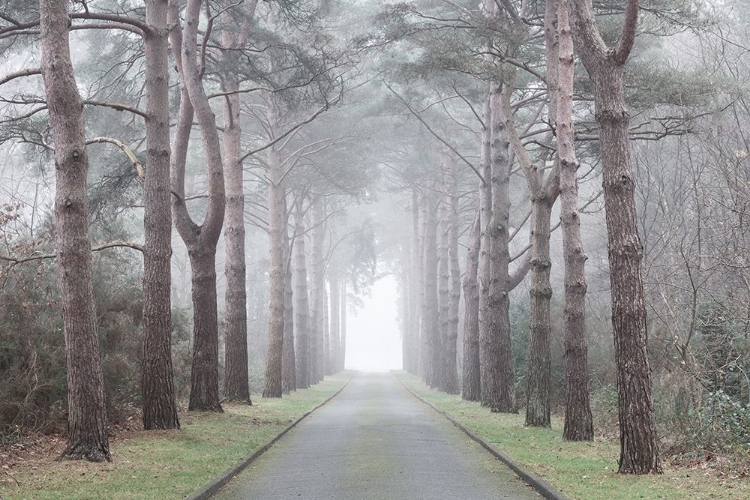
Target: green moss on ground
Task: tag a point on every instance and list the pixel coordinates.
(168, 464)
(579, 470)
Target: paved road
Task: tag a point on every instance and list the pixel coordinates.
(374, 441)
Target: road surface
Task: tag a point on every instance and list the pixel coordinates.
(374, 441)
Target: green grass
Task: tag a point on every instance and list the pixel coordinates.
(168, 464)
(586, 471)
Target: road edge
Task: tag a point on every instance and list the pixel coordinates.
(540, 485)
(208, 490)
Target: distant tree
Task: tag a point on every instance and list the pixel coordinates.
(87, 413)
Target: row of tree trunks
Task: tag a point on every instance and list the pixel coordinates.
(87, 413)
(157, 380)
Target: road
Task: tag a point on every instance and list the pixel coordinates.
(374, 441)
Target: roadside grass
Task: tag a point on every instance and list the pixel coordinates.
(585, 471)
(168, 464)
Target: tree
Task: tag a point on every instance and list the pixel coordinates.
(233, 38)
(87, 415)
(157, 379)
(201, 240)
(638, 444)
(578, 420)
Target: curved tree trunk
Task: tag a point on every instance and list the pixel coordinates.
(638, 444)
(578, 420)
(157, 380)
(200, 240)
(87, 412)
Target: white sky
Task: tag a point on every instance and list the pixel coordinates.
(373, 341)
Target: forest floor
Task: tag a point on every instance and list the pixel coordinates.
(156, 464)
(583, 470)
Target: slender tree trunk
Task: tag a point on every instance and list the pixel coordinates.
(157, 380)
(87, 412)
(200, 240)
(578, 419)
(277, 228)
(431, 312)
(302, 308)
(288, 358)
(444, 291)
(335, 316)
(501, 390)
(327, 370)
(485, 211)
(638, 443)
(317, 356)
(414, 286)
(451, 370)
(471, 390)
(343, 323)
(405, 313)
(236, 380)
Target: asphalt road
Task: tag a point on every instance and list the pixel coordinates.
(374, 441)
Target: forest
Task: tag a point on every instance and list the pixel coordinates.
(193, 193)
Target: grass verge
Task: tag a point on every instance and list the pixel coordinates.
(167, 464)
(579, 470)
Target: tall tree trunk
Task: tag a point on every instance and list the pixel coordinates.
(414, 286)
(485, 211)
(343, 323)
(288, 358)
(471, 390)
(578, 420)
(87, 412)
(157, 380)
(444, 288)
(638, 444)
(317, 356)
(302, 308)
(335, 316)
(200, 240)
(431, 312)
(277, 229)
(327, 370)
(451, 369)
(501, 390)
(405, 313)
(236, 380)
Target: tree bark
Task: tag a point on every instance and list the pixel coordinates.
(414, 286)
(277, 228)
(288, 358)
(157, 379)
(335, 316)
(451, 369)
(317, 356)
(302, 308)
(431, 315)
(638, 443)
(471, 390)
(578, 419)
(485, 212)
(87, 412)
(201, 240)
(501, 384)
(343, 323)
(444, 286)
(236, 380)
(324, 324)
